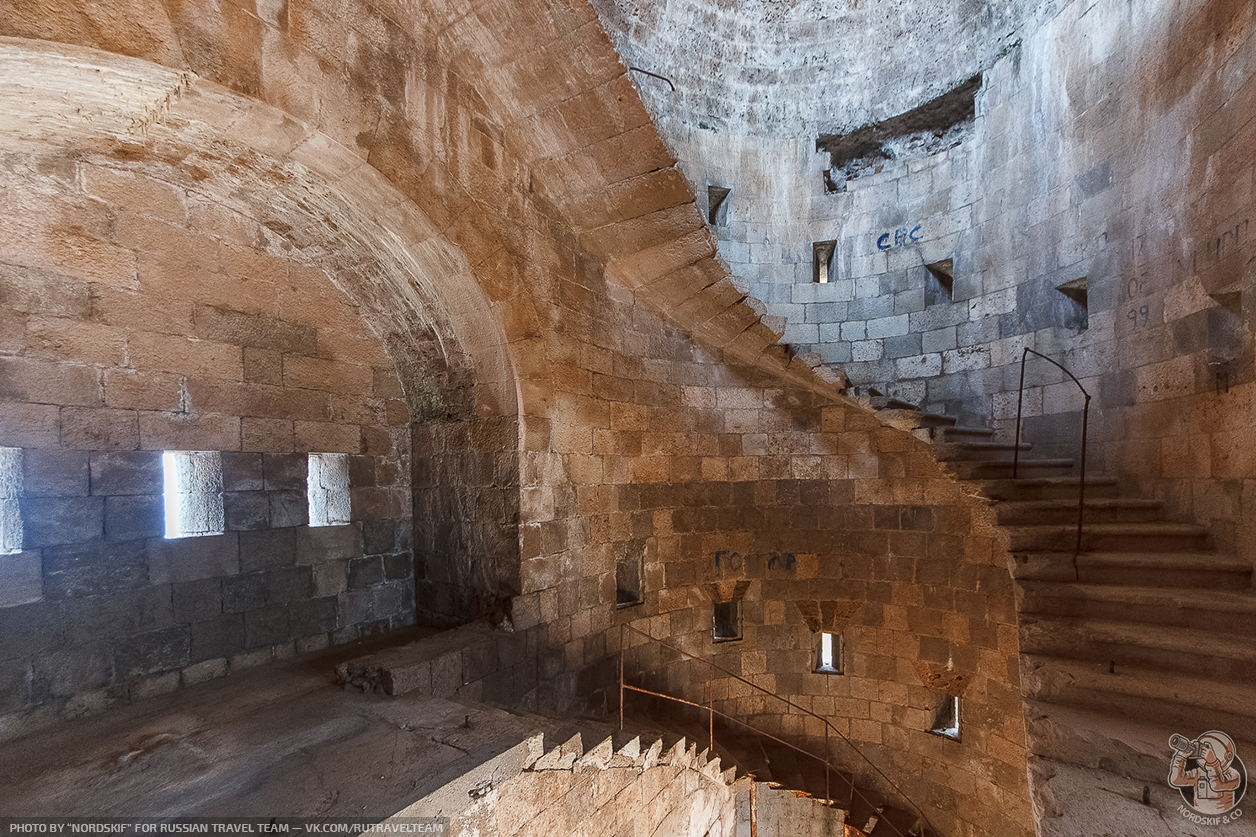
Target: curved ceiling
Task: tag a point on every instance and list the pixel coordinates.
(325, 206)
(795, 68)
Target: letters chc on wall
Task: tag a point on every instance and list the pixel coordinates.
(902, 236)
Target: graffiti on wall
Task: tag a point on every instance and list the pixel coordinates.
(900, 237)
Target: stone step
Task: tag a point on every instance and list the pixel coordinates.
(1097, 510)
(1222, 611)
(785, 765)
(1180, 570)
(893, 821)
(1109, 537)
(1000, 470)
(865, 810)
(1118, 644)
(1048, 488)
(957, 433)
(1141, 707)
(979, 450)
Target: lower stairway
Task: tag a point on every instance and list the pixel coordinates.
(777, 765)
(1143, 633)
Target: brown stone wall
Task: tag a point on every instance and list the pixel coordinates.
(145, 318)
(656, 414)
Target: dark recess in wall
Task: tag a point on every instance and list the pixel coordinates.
(930, 127)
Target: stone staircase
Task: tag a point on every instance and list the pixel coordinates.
(1146, 632)
(862, 811)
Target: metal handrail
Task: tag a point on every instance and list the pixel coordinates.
(712, 712)
(1081, 486)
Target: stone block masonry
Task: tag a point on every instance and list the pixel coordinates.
(608, 389)
(225, 367)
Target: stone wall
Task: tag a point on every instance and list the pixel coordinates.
(1096, 212)
(509, 224)
(140, 318)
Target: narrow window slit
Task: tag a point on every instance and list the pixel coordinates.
(327, 489)
(717, 211)
(822, 261)
(192, 489)
(828, 656)
(10, 489)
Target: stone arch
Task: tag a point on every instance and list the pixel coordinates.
(318, 204)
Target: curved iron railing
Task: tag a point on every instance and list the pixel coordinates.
(829, 766)
(1081, 485)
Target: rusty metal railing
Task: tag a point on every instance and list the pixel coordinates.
(1081, 485)
(830, 768)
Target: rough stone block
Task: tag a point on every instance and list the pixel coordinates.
(205, 432)
(152, 652)
(70, 671)
(134, 516)
(25, 379)
(21, 578)
(386, 600)
(365, 572)
(221, 636)
(84, 428)
(331, 577)
(266, 626)
(288, 508)
(94, 569)
(362, 470)
(54, 473)
(119, 614)
(241, 471)
(379, 536)
(227, 326)
(187, 559)
(355, 607)
(331, 375)
(195, 601)
(399, 566)
(285, 471)
(315, 545)
(289, 585)
(314, 616)
(246, 510)
(178, 354)
(29, 629)
(243, 592)
(266, 434)
(15, 686)
(905, 346)
(896, 326)
(327, 436)
(447, 674)
(203, 671)
(267, 550)
(61, 520)
(263, 366)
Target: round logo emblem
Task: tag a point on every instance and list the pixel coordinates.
(1208, 773)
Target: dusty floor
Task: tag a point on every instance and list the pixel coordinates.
(284, 740)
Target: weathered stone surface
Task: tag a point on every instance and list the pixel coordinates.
(94, 569)
(62, 520)
(134, 516)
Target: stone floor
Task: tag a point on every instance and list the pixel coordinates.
(284, 740)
